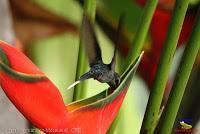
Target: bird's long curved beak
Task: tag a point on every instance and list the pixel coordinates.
(73, 84)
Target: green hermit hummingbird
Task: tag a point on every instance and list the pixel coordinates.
(104, 73)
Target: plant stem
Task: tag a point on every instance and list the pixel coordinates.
(155, 99)
(181, 80)
(80, 91)
(80, 69)
(142, 30)
(137, 47)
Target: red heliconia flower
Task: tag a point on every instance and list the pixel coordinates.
(39, 100)
(158, 31)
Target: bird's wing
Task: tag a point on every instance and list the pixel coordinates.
(90, 41)
(120, 23)
(112, 64)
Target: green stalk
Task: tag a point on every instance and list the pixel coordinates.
(181, 80)
(142, 30)
(80, 69)
(80, 91)
(135, 50)
(155, 99)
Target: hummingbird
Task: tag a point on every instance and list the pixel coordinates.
(104, 73)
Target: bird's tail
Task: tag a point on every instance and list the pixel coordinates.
(82, 78)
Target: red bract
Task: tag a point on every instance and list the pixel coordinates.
(38, 99)
(99, 115)
(41, 103)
